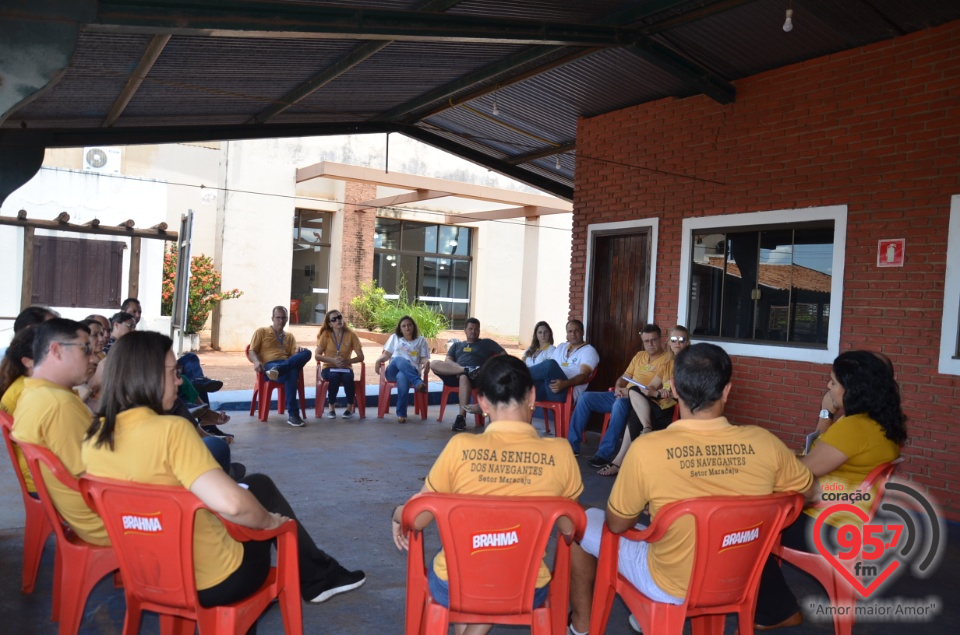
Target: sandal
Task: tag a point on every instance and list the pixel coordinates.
(401, 419)
(222, 417)
(610, 470)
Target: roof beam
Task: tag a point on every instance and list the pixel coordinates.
(527, 211)
(156, 46)
(526, 157)
(341, 66)
(403, 199)
(510, 63)
(259, 18)
(667, 60)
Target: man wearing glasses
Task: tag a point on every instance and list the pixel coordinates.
(51, 415)
(651, 362)
(275, 353)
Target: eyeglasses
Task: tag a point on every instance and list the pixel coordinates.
(336, 318)
(129, 325)
(87, 350)
(176, 371)
(674, 339)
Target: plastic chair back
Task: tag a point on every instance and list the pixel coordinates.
(79, 565)
(455, 390)
(151, 527)
(842, 595)
(36, 526)
(734, 536)
(263, 391)
(494, 546)
(562, 410)
(420, 399)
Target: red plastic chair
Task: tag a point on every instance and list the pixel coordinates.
(839, 591)
(420, 399)
(723, 579)
(359, 387)
(490, 585)
(562, 410)
(157, 563)
(294, 311)
(37, 527)
(79, 565)
(455, 390)
(263, 392)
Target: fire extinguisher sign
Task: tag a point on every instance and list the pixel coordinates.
(890, 252)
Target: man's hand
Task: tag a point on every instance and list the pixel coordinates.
(258, 367)
(557, 385)
(621, 391)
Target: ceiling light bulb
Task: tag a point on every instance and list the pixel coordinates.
(496, 110)
(788, 23)
(558, 161)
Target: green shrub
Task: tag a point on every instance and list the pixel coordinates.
(377, 313)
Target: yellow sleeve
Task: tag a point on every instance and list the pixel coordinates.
(629, 494)
(187, 454)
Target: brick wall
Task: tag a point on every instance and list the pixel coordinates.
(876, 129)
(356, 259)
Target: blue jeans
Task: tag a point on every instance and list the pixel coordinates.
(589, 402)
(289, 370)
(406, 375)
(544, 373)
(336, 380)
(440, 590)
(220, 451)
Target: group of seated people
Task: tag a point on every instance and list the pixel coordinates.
(697, 380)
(133, 433)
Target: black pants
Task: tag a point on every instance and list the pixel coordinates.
(775, 600)
(317, 569)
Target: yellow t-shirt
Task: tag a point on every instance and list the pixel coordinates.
(52, 416)
(642, 369)
(8, 403)
(166, 450)
(862, 440)
(270, 347)
(327, 343)
(508, 459)
(694, 458)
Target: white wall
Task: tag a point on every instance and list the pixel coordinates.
(85, 196)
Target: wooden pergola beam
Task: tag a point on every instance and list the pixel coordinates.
(126, 229)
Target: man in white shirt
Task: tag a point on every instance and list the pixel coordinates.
(569, 368)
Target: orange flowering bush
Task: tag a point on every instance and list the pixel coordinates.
(205, 290)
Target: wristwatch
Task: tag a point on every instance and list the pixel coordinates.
(826, 414)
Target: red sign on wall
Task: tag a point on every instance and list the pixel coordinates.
(890, 252)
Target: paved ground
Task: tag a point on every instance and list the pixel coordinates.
(343, 478)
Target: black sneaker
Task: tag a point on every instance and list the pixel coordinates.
(205, 384)
(237, 471)
(341, 583)
(295, 420)
(598, 461)
(459, 424)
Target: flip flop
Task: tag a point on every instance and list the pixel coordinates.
(610, 470)
(222, 417)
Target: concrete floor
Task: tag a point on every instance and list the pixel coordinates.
(343, 478)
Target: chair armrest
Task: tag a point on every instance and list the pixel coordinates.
(245, 534)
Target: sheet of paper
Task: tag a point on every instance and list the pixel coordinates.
(635, 383)
(810, 439)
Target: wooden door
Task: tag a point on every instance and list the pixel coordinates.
(619, 292)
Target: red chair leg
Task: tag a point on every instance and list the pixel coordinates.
(36, 530)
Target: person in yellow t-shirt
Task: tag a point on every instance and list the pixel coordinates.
(51, 415)
(16, 366)
(871, 432)
(506, 392)
(133, 440)
(274, 352)
(656, 471)
(338, 348)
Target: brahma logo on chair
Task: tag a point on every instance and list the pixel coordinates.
(497, 539)
(740, 538)
(141, 524)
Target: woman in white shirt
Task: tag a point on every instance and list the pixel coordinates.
(407, 352)
(541, 348)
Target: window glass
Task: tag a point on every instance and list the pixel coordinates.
(387, 234)
(310, 279)
(419, 237)
(769, 284)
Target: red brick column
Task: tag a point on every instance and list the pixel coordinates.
(356, 258)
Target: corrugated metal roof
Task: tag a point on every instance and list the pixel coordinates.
(439, 82)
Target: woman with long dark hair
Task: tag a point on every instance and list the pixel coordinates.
(407, 352)
(338, 348)
(870, 433)
(541, 347)
(16, 366)
(132, 439)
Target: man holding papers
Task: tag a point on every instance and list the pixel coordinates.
(651, 362)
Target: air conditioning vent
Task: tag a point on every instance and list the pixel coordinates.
(102, 160)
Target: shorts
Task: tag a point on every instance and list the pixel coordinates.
(632, 561)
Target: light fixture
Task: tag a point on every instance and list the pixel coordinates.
(393, 264)
(453, 243)
(558, 161)
(495, 110)
(788, 23)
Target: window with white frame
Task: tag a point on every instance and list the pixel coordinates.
(950, 323)
(765, 284)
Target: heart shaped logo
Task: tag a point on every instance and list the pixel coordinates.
(832, 558)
